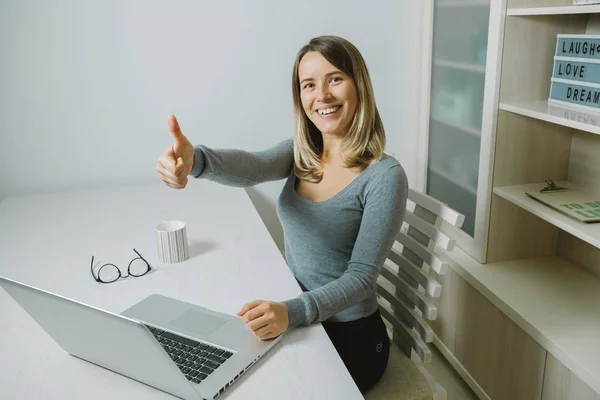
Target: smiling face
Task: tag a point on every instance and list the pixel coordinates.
(328, 96)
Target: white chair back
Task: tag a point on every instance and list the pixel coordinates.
(408, 279)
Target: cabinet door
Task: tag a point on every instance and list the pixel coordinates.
(462, 109)
(504, 360)
(444, 325)
(560, 383)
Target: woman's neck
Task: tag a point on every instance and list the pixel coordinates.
(332, 148)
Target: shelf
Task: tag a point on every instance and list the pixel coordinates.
(552, 300)
(451, 179)
(463, 3)
(589, 233)
(460, 66)
(465, 128)
(542, 111)
(558, 10)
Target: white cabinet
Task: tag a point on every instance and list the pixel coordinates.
(462, 95)
(489, 137)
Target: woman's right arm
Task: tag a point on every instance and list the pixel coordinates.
(226, 166)
(241, 168)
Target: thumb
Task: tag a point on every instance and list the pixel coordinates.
(249, 306)
(176, 131)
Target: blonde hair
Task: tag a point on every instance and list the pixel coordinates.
(365, 140)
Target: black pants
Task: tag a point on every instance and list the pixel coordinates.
(364, 347)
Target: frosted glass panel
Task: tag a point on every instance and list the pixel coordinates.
(456, 104)
(456, 153)
(454, 169)
(440, 187)
(457, 96)
(461, 31)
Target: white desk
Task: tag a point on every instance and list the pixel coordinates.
(47, 241)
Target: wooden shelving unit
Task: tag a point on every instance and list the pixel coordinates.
(564, 116)
(588, 232)
(543, 267)
(551, 299)
(520, 309)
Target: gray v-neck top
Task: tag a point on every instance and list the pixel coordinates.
(335, 248)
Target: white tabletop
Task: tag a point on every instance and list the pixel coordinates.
(47, 241)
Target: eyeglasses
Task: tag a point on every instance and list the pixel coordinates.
(109, 273)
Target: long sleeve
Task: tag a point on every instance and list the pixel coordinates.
(385, 205)
(241, 168)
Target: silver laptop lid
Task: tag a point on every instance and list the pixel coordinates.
(114, 342)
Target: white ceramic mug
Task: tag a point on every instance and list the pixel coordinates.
(171, 239)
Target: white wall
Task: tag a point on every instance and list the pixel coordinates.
(86, 86)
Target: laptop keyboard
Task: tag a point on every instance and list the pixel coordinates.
(195, 359)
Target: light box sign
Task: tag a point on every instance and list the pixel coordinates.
(576, 73)
(576, 70)
(580, 46)
(574, 93)
(574, 114)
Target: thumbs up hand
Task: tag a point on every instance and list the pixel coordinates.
(175, 164)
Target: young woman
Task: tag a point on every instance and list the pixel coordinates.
(341, 206)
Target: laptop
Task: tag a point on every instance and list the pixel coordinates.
(182, 349)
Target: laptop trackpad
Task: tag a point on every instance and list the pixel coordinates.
(198, 322)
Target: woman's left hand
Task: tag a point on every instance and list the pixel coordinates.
(266, 319)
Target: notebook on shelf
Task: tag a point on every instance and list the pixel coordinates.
(576, 202)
